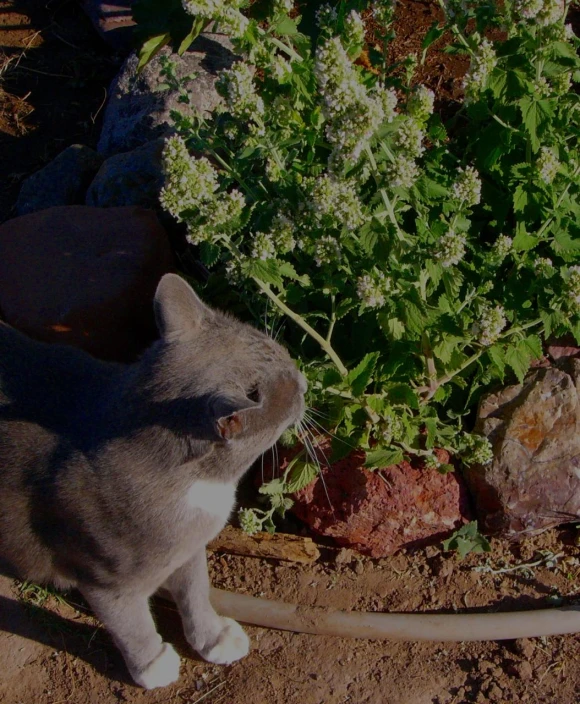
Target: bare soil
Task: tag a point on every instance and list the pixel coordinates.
(54, 73)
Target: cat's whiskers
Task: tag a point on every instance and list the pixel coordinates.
(321, 429)
(310, 443)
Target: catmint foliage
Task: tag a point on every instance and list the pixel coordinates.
(419, 258)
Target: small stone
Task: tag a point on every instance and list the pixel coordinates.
(485, 666)
(344, 556)
(523, 670)
(359, 568)
(132, 178)
(494, 693)
(84, 277)
(63, 181)
(524, 647)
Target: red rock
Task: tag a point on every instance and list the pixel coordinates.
(84, 276)
(378, 513)
(533, 482)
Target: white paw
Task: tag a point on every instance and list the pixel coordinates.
(162, 671)
(232, 644)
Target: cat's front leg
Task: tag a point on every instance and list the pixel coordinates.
(217, 639)
(151, 662)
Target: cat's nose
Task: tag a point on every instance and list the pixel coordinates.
(302, 383)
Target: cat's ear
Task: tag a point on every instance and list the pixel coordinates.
(230, 415)
(178, 309)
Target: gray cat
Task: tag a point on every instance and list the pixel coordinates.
(113, 478)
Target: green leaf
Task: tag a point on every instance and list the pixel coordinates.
(286, 27)
(536, 114)
(359, 377)
(435, 31)
(522, 241)
(445, 348)
(209, 253)
(379, 459)
(151, 48)
(497, 356)
(301, 474)
(392, 327)
(518, 360)
(267, 271)
(467, 539)
(286, 269)
(520, 199)
(332, 377)
(402, 395)
(276, 486)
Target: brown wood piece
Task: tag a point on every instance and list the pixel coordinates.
(280, 546)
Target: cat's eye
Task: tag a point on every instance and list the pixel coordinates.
(254, 394)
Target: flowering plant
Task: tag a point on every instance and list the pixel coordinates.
(418, 262)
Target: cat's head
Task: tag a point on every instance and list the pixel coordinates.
(246, 384)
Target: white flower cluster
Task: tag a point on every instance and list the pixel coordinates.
(263, 246)
(249, 521)
(388, 99)
(480, 450)
(190, 192)
(467, 188)
(548, 165)
(543, 12)
(573, 284)
(483, 61)
(383, 12)
(490, 325)
(352, 114)
(451, 249)
(544, 266)
(236, 85)
(188, 182)
(420, 104)
(225, 12)
(502, 246)
(391, 428)
(562, 83)
(373, 288)
(280, 67)
(336, 201)
(354, 29)
(326, 16)
(282, 230)
(327, 251)
(285, 6)
(410, 138)
(403, 172)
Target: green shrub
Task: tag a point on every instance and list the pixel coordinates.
(419, 262)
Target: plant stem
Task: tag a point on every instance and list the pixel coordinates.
(299, 320)
(430, 390)
(549, 221)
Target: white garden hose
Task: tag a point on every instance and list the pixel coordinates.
(435, 627)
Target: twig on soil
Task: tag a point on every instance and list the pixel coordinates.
(213, 689)
(548, 559)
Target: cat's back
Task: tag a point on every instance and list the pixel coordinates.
(49, 384)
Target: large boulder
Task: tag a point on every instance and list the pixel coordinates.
(84, 276)
(379, 512)
(139, 109)
(533, 482)
(63, 181)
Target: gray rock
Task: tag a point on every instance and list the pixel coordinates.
(132, 178)
(64, 181)
(138, 111)
(533, 483)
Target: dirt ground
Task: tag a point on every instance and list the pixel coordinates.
(54, 73)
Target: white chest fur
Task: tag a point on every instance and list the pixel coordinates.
(214, 498)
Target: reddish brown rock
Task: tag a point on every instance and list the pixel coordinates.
(84, 276)
(533, 482)
(379, 512)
